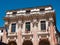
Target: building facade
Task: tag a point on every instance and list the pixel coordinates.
(30, 26)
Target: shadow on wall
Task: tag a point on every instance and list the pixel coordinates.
(1, 43)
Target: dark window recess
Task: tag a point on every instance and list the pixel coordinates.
(13, 27)
(1, 30)
(27, 26)
(6, 29)
(42, 9)
(43, 25)
(27, 11)
(14, 12)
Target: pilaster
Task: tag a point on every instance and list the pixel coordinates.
(31, 26)
(35, 37)
(4, 37)
(9, 30)
(19, 37)
(16, 27)
(52, 34)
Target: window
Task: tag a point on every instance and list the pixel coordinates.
(14, 12)
(42, 9)
(1, 30)
(27, 26)
(43, 25)
(27, 11)
(13, 27)
(6, 29)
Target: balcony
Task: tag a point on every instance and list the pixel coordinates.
(27, 33)
(12, 34)
(43, 32)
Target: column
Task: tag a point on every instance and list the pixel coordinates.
(19, 37)
(24, 27)
(55, 39)
(9, 30)
(31, 26)
(52, 34)
(16, 27)
(46, 26)
(39, 26)
(19, 25)
(4, 37)
(35, 36)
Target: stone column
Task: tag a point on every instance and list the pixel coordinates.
(16, 27)
(19, 38)
(9, 30)
(24, 27)
(19, 25)
(4, 37)
(52, 34)
(35, 37)
(55, 39)
(31, 26)
(46, 26)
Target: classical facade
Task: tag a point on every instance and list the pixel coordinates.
(30, 26)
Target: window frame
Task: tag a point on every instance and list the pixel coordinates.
(29, 25)
(13, 27)
(43, 25)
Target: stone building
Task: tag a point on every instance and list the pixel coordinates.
(30, 26)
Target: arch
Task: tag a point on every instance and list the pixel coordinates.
(27, 42)
(44, 42)
(12, 43)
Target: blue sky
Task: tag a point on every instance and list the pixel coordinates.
(17, 4)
